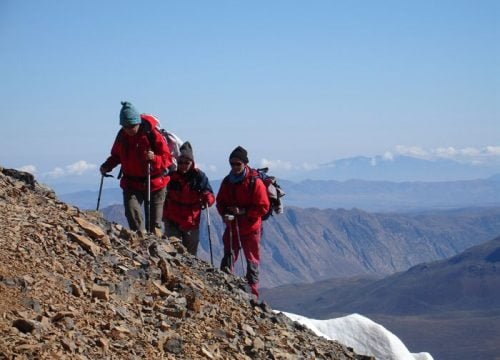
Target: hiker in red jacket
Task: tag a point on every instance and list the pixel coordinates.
(242, 196)
(188, 192)
(138, 145)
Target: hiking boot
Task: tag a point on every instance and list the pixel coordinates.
(157, 232)
(260, 304)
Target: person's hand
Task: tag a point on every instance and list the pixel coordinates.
(103, 170)
(150, 155)
(236, 210)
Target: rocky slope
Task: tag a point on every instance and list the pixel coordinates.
(73, 286)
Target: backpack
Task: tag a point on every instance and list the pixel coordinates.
(173, 141)
(150, 124)
(274, 191)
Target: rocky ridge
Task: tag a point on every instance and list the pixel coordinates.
(73, 286)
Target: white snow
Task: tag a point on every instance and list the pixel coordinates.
(365, 336)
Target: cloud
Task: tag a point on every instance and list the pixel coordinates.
(207, 168)
(308, 166)
(446, 152)
(78, 168)
(470, 155)
(276, 164)
(415, 151)
(492, 150)
(283, 166)
(56, 173)
(469, 151)
(388, 156)
(28, 168)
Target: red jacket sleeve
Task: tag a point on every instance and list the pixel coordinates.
(114, 159)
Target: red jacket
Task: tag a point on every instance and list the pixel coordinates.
(129, 151)
(186, 194)
(250, 194)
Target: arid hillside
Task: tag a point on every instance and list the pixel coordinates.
(73, 286)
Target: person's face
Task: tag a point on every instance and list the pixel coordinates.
(131, 129)
(184, 165)
(237, 166)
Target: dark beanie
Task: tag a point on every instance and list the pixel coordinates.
(129, 115)
(186, 151)
(239, 153)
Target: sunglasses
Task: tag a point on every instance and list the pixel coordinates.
(236, 163)
(184, 162)
(130, 126)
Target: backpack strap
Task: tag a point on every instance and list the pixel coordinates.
(147, 129)
(144, 127)
(254, 175)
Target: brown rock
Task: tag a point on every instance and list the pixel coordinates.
(193, 301)
(100, 292)
(172, 343)
(85, 243)
(175, 311)
(258, 344)
(206, 353)
(165, 270)
(94, 231)
(162, 289)
(61, 315)
(103, 343)
(76, 290)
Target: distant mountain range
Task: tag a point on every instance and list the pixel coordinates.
(308, 245)
(468, 281)
(397, 168)
(449, 307)
(393, 196)
(366, 195)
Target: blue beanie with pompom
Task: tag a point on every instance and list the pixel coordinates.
(129, 115)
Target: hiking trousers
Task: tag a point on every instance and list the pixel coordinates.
(190, 238)
(251, 248)
(133, 202)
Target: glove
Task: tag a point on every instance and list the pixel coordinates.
(234, 210)
(104, 170)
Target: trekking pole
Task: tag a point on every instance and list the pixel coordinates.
(239, 244)
(147, 210)
(230, 218)
(209, 235)
(100, 190)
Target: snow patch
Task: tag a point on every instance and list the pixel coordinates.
(365, 336)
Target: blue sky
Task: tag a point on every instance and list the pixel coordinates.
(296, 83)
